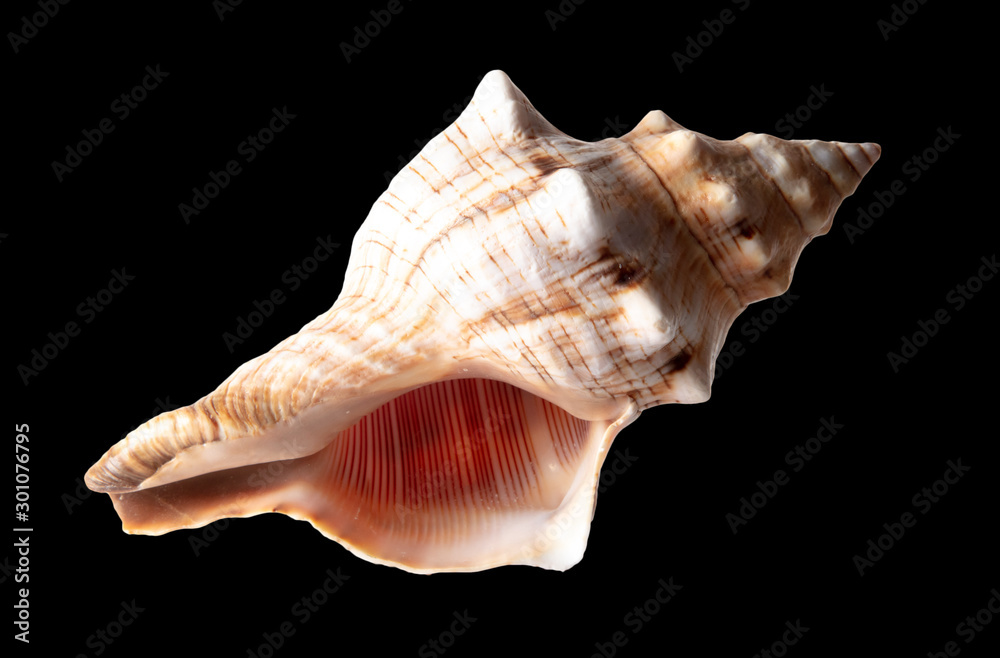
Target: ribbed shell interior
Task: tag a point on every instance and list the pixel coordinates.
(467, 474)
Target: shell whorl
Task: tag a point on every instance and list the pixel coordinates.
(660, 209)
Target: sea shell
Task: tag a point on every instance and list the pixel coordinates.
(513, 300)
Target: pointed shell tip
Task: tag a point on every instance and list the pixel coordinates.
(872, 150)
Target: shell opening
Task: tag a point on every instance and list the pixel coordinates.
(457, 475)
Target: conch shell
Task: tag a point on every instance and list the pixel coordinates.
(513, 300)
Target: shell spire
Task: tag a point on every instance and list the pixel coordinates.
(788, 193)
(513, 300)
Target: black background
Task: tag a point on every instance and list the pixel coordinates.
(159, 342)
